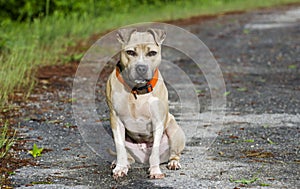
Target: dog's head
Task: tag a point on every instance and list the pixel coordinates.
(140, 54)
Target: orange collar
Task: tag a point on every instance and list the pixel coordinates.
(139, 90)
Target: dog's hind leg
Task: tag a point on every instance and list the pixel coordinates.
(176, 141)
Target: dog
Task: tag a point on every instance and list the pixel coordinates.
(143, 129)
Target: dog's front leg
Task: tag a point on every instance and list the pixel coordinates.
(118, 130)
(158, 120)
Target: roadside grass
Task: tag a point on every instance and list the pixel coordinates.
(7, 140)
(44, 41)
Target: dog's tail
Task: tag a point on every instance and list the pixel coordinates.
(111, 152)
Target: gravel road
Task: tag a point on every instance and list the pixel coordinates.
(258, 146)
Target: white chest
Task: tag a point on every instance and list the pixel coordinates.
(136, 117)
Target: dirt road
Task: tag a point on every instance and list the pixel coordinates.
(258, 146)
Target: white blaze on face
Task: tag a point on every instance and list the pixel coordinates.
(141, 58)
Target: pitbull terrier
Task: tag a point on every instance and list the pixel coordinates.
(143, 129)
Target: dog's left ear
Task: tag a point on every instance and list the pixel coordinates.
(158, 34)
(123, 35)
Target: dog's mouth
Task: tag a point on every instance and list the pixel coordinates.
(141, 81)
(136, 79)
(137, 82)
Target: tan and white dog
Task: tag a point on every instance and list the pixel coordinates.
(143, 129)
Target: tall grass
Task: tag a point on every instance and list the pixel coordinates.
(25, 46)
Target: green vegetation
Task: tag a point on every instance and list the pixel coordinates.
(6, 140)
(249, 140)
(36, 151)
(244, 181)
(270, 141)
(36, 33)
(227, 93)
(242, 89)
(252, 180)
(292, 67)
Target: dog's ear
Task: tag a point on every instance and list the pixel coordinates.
(123, 35)
(158, 34)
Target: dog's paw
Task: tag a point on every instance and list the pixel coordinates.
(174, 165)
(120, 171)
(155, 173)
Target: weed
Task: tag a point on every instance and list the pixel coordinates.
(36, 151)
(244, 181)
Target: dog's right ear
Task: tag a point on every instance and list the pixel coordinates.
(123, 35)
(158, 35)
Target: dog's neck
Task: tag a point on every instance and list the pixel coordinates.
(147, 88)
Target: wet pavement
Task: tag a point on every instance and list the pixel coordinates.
(257, 147)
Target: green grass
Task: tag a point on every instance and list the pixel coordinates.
(6, 140)
(26, 46)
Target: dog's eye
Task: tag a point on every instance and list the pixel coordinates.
(131, 53)
(151, 53)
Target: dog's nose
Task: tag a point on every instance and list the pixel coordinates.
(141, 69)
